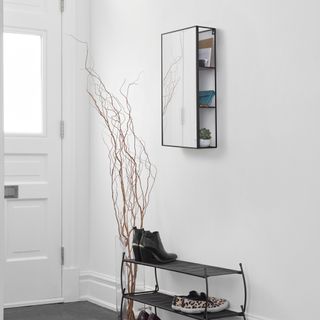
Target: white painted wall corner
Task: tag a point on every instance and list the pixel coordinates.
(98, 288)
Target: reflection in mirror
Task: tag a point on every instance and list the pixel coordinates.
(179, 98)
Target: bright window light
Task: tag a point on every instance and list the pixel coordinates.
(23, 88)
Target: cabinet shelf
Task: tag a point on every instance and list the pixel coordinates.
(207, 68)
(202, 106)
(163, 301)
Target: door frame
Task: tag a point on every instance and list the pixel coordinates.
(75, 114)
(2, 237)
(70, 270)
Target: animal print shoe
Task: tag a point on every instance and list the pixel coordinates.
(217, 304)
(199, 306)
(177, 301)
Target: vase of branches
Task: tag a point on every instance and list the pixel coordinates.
(132, 175)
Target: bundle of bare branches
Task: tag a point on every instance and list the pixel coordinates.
(131, 171)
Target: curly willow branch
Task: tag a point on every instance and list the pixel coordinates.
(131, 171)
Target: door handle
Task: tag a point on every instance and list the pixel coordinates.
(11, 192)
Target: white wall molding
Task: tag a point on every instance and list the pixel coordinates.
(254, 317)
(33, 303)
(99, 277)
(98, 288)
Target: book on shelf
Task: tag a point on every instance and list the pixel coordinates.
(206, 52)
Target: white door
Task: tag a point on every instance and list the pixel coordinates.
(32, 113)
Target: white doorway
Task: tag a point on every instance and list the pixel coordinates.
(32, 114)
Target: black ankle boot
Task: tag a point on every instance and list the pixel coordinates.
(137, 234)
(152, 250)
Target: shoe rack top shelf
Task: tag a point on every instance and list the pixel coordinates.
(163, 301)
(190, 268)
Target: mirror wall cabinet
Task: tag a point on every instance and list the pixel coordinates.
(188, 88)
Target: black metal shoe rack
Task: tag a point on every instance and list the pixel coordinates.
(163, 301)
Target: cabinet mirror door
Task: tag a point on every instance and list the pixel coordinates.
(179, 91)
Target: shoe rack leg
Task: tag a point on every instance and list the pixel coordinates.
(121, 274)
(205, 316)
(156, 288)
(121, 308)
(244, 288)
(243, 314)
(122, 288)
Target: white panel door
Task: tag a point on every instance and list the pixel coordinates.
(32, 113)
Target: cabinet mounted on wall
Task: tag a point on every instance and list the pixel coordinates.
(189, 88)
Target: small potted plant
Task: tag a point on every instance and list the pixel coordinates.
(205, 137)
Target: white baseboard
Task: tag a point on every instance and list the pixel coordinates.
(98, 288)
(33, 303)
(254, 317)
(99, 302)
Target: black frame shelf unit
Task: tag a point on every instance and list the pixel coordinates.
(212, 69)
(163, 301)
(201, 73)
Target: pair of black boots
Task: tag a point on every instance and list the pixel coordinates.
(147, 247)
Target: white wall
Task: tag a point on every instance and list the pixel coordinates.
(1, 177)
(255, 198)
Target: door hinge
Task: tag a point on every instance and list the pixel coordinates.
(61, 129)
(62, 256)
(62, 5)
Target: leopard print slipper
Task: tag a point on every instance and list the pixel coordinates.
(199, 306)
(177, 301)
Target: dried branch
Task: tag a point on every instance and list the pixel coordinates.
(131, 171)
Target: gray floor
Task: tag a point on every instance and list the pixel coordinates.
(61, 311)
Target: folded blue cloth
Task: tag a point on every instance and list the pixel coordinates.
(205, 97)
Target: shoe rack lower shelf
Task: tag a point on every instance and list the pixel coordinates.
(163, 301)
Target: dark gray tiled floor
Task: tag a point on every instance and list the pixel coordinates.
(61, 311)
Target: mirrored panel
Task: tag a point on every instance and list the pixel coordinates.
(179, 88)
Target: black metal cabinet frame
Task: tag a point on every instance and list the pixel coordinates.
(199, 70)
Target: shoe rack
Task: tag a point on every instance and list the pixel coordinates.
(163, 301)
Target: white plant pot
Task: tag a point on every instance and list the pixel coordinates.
(205, 143)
